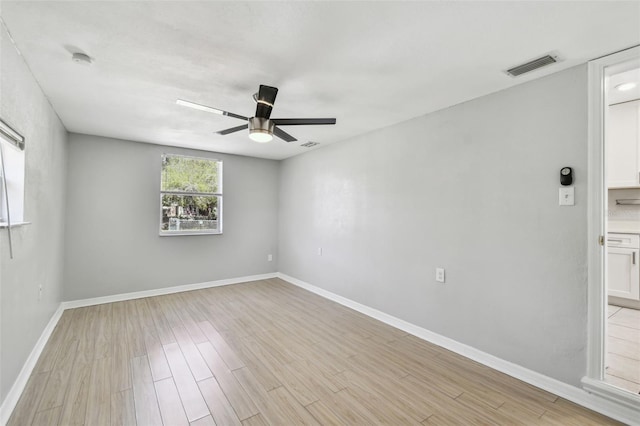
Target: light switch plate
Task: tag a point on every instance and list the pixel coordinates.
(567, 196)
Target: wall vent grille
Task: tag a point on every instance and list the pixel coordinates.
(310, 144)
(532, 65)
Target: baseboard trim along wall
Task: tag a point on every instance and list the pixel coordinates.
(624, 413)
(621, 412)
(13, 396)
(161, 291)
(16, 390)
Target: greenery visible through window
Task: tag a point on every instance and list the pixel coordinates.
(191, 193)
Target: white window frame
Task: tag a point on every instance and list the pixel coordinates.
(12, 174)
(207, 194)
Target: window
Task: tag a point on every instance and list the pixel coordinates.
(12, 175)
(191, 195)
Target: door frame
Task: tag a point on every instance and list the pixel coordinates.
(597, 228)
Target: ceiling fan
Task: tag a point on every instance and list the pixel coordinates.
(262, 127)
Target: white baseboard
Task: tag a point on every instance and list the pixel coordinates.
(13, 396)
(625, 413)
(622, 412)
(16, 390)
(161, 291)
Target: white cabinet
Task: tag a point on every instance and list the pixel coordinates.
(623, 145)
(623, 276)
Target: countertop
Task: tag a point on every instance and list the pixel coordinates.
(624, 227)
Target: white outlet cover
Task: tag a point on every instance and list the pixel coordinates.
(440, 275)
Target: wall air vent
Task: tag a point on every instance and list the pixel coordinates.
(532, 65)
(310, 144)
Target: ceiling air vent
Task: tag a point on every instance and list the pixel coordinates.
(532, 65)
(310, 144)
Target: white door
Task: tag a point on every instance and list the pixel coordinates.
(624, 274)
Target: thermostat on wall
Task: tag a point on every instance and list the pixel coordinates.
(566, 176)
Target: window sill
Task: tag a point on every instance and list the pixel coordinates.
(5, 225)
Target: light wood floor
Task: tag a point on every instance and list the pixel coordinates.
(264, 353)
(623, 348)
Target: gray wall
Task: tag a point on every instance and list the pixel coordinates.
(112, 242)
(38, 247)
(474, 189)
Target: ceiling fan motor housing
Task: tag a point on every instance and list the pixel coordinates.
(261, 129)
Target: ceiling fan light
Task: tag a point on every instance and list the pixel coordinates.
(626, 86)
(260, 136)
(261, 129)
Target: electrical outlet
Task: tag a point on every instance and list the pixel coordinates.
(269, 257)
(319, 251)
(440, 275)
(40, 292)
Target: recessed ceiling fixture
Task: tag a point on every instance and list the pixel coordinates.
(81, 58)
(623, 87)
(261, 126)
(532, 65)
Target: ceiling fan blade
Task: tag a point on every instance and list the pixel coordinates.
(233, 129)
(209, 109)
(283, 135)
(302, 121)
(265, 100)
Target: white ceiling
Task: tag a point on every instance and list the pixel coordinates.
(369, 64)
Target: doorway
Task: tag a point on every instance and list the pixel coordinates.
(614, 227)
(622, 254)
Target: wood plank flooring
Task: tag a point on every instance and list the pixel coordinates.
(264, 353)
(623, 348)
